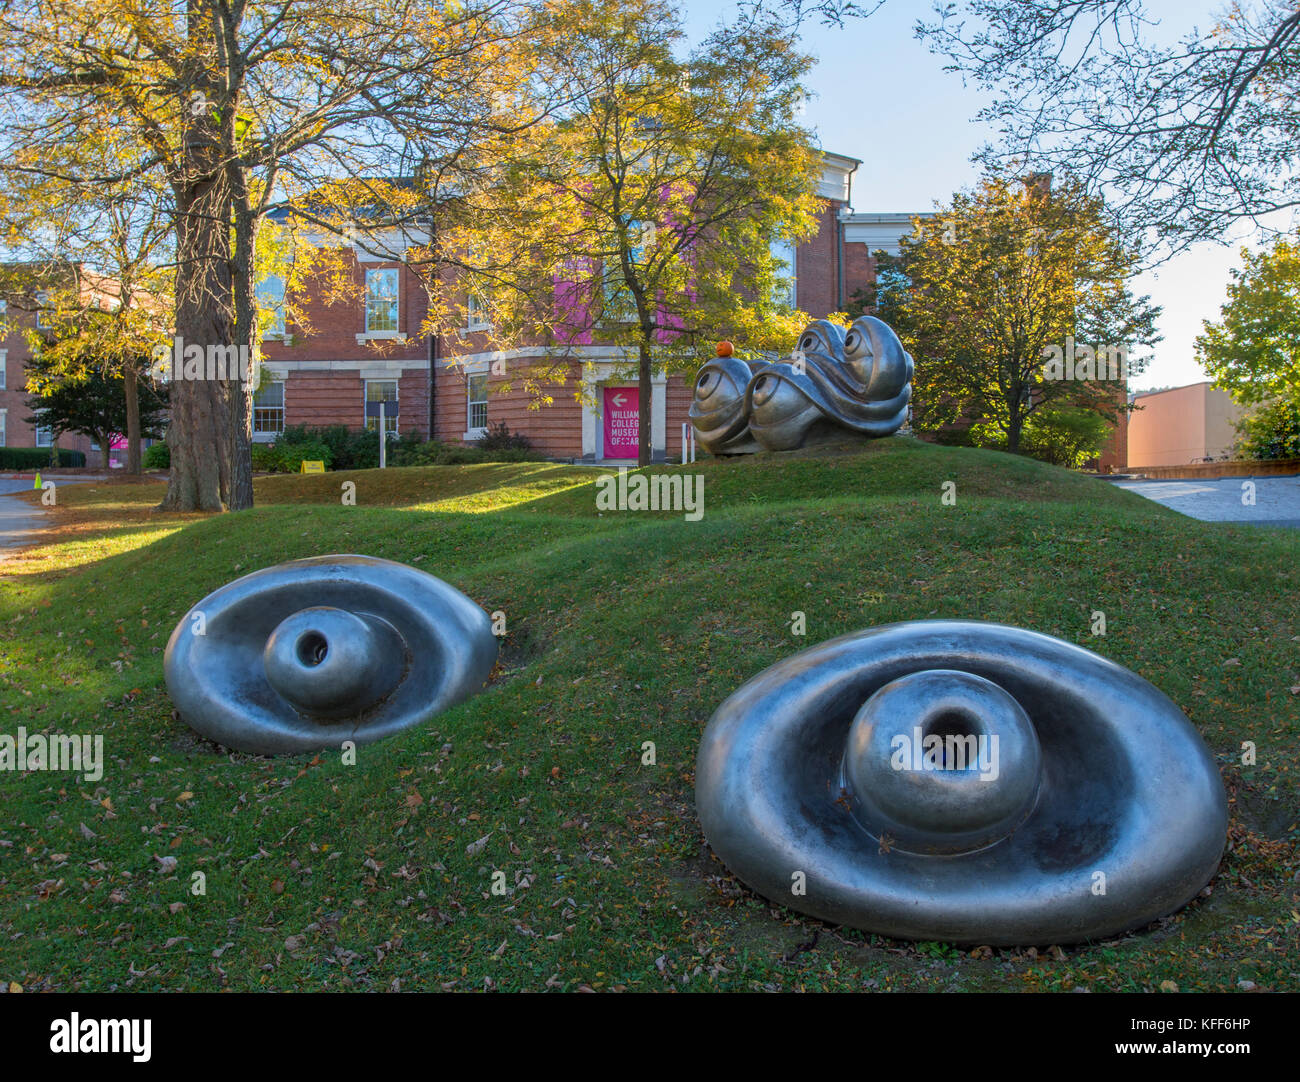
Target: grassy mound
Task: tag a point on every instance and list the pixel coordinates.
(624, 627)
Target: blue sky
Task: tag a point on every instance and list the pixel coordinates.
(881, 96)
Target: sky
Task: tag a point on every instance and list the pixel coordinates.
(877, 93)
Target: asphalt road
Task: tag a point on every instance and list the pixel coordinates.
(20, 522)
(1225, 499)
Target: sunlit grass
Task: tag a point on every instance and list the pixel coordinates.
(622, 628)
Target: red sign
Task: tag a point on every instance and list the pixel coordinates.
(621, 421)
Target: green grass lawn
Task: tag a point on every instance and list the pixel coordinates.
(623, 628)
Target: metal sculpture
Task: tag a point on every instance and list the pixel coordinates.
(961, 782)
(857, 382)
(310, 653)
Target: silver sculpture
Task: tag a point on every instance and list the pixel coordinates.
(836, 382)
(310, 653)
(1096, 810)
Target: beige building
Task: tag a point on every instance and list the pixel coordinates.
(1181, 425)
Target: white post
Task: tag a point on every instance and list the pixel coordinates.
(383, 439)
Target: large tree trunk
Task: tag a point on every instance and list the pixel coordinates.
(198, 437)
(1015, 426)
(644, 391)
(131, 385)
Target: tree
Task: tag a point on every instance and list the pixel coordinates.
(242, 107)
(112, 304)
(1185, 137)
(1253, 352)
(91, 402)
(1270, 430)
(641, 213)
(1003, 283)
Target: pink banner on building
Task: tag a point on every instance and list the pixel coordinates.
(620, 413)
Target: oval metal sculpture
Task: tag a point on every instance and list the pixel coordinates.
(857, 382)
(961, 782)
(307, 654)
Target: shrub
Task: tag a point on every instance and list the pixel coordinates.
(341, 448)
(37, 458)
(1066, 436)
(499, 438)
(157, 456)
(284, 456)
(1270, 431)
(350, 449)
(432, 453)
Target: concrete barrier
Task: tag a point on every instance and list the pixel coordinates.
(1194, 471)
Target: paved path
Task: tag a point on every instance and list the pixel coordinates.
(1277, 499)
(22, 523)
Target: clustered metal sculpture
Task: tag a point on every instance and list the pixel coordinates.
(961, 782)
(837, 382)
(310, 653)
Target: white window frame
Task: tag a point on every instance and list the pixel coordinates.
(4, 426)
(49, 436)
(390, 423)
(368, 334)
(786, 251)
(475, 311)
(4, 370)
(473, 431)
(41, 298)
(277, 329)
(268, 434)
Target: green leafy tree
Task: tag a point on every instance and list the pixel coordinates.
(91, 401)
(998, 284)
(1270, 430)
(236, 108)
(1253, 351)
(641, 213)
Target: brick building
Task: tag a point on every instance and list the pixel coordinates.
(374, 351)
(21, 307)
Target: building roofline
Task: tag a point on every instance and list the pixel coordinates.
(889, 216)
(1170, 390)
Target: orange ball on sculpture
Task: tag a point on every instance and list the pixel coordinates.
(725, 349)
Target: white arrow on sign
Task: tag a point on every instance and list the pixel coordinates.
(619, 400)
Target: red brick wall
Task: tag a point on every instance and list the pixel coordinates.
(817, 263)
(324, 398)
(859, 269)
(330, 330)
(1114, 456)
(555, 429)
(13, 399)
(679, 393)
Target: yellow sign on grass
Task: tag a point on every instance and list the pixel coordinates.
(312, 467)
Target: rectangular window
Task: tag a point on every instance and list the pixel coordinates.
(4, 368)
(41, 298)
(381, 390)
(44, 437)
(786, 272)
(476, 312)
(3, 433)
(270, 299)
(477, 396)
(268, 408)
(381, 301)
